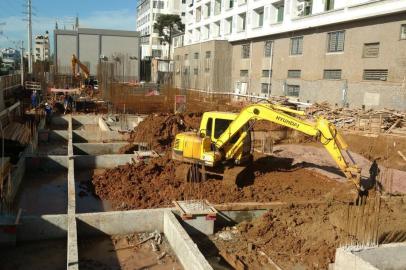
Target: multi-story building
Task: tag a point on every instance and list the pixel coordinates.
(41, 49)
(147, 13)
(346, 52)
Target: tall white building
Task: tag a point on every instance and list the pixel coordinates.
(235, 20)
(147, 13)
(41, 49)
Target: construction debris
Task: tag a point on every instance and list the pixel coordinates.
(382, 120)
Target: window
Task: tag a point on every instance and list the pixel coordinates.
(375, 74)
(296, 45)
(241, 20)
(244, 73)
(245, 51)
(336, 41)
(196, 55)
(207, 69)
(332, 74)
(264, 88)
(208, 54)
(220, 125)
(292, 90)
(183, 1)
(230, 3)
(280, 10)
(258, 17)
(195, 71)
(198, 14)
(371, 50)
(208, 10)
(177, 57)
(329, 5)
(294, 73)
(217, 7)
(268, 48)
(403, 31)
(266, 73)
(156, 53)
(229, 25)
(183, 13)
(158, 4)
(209, 127)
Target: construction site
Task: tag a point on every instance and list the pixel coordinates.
(103, 186)
(104, 166)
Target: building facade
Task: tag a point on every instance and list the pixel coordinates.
(41, 48)
(350, 53)
(95, 46)
(147, 13)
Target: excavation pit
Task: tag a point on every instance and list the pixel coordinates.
(35, 255)
(43, 191)
(127, 252)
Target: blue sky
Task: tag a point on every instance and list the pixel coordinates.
(110, 14)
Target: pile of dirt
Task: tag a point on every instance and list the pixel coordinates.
(159, 130)
(152, 184)
(302, 236)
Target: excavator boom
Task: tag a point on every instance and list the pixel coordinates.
(84, 68)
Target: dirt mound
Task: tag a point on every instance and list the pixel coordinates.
(159, 130)
(303, 236)
(152, 184)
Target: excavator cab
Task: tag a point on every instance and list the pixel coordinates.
(195, 148)
(200, 150)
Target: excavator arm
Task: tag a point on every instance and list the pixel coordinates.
(84, 68)
(322, 130)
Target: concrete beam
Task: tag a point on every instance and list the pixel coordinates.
(121, 222)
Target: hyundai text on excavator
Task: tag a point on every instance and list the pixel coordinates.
(222, 146)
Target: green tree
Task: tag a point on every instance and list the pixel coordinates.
(167, 25)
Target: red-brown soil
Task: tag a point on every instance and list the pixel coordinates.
(152, 184)
(305, 236)
(159, 130)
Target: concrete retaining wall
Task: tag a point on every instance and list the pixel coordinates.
(97, 148)
(47, 162)
(101, 162)
(184, 247)
(33, 228)
(83, 136)
(121, 222)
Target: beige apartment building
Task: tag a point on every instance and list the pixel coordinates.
(356, 63)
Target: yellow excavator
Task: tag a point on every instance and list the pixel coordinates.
(222, 146)
(84, 68)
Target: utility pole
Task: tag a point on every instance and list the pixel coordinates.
(29, 14)
(22, 63)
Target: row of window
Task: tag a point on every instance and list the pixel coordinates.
(195, 56)
(304, 8)
(328, 74)
(335, 43)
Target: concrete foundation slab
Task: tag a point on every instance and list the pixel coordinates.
(387, 256)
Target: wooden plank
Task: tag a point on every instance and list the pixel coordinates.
(232, 260)
(393, 126)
